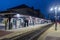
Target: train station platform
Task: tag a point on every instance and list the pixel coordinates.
(22, 31)
(51, 33)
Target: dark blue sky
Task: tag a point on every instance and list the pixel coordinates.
(43, 5)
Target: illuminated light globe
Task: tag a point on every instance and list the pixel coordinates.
(55, 8)
(59, 9)
(18, 15)
(51, 9)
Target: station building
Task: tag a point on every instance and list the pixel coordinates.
(21, 16)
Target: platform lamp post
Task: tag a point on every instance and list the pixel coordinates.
(55, 9)
(58, 18)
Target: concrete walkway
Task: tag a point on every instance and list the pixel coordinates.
(21, 31)
(51, 32)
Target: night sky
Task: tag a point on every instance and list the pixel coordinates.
(43, 5)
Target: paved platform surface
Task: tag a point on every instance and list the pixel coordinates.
(20, 31)
(51, 32)
(3, 33)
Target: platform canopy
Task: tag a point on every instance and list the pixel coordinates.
(24, 10)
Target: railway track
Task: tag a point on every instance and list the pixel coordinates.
(31, 36)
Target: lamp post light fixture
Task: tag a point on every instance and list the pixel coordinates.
(55, 9)
(51, 9)
(18, 15)
(59, 9)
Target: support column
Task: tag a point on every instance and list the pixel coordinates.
(10, 25)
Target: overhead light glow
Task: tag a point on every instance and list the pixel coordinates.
(55, 8)
(51, 9)
(18, 15)
(59, 9)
